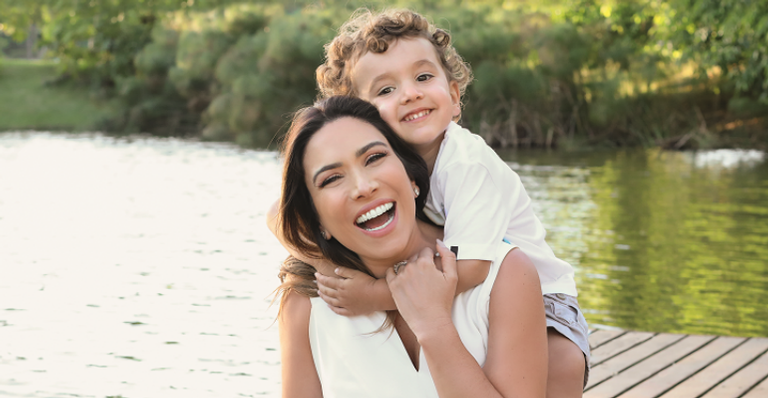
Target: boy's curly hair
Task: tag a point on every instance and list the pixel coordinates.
(367, 31)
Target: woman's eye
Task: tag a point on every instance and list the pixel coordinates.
(424, 77)
(374, 157)
(329, 180)
(386, 90)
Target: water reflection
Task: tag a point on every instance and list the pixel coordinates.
(669, 241)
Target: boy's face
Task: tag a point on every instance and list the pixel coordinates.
(411, 90)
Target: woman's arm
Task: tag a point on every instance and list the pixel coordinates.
(298, 367)
(516, 365)
(517, 339)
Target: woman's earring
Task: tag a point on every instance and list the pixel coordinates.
(416, 191)
(325, 234)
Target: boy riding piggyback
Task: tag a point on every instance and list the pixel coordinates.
(409, 70)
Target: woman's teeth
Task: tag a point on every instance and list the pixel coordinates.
(374, 213)
(417, 115)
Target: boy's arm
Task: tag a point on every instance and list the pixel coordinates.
(354, 292)
(348, 292)
(471, 273)
(479, 195)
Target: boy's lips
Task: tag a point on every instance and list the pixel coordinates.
(417, 114)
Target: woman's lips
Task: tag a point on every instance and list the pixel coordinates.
(377, 218)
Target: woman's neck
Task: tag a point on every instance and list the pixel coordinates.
(424, 235)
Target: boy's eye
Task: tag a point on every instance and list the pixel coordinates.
(374, 157)
(329, 180)
(424, 77)
(386, 90)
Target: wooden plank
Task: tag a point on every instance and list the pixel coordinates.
(629, 358)
(599, 337)
(647, 368)
(617, 346)
(683, 369)
(760, 391)
(743, 380)
(719, 370)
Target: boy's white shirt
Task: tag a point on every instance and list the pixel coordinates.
(480, 201)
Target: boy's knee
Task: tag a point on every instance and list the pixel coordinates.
(566, 361)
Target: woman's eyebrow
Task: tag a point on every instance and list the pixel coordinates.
(324, 168)
(360, 152)
(364, 149)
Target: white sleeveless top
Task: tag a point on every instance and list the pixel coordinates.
(353, 360)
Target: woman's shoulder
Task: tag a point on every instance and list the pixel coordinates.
(294, 308)
(516, 271)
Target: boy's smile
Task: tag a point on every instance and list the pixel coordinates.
(409, 86)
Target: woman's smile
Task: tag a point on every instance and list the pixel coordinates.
(378, 218)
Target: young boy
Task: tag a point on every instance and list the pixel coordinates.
(408, 69)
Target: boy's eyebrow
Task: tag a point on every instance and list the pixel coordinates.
(376, 80)
(417, 64)
(424, 62)
(358, 153)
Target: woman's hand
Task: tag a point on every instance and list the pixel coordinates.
(422, 292)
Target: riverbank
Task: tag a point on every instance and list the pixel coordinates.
(27, 102)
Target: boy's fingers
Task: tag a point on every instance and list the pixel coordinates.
(326, 290)
(332, 302)
(345, 272)
(340, 310)
(329, 282)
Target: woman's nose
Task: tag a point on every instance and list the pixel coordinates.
(364, 186)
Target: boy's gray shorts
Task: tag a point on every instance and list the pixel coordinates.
(564, 315)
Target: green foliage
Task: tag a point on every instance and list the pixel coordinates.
(547, 72)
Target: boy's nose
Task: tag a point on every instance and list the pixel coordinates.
(411, 93)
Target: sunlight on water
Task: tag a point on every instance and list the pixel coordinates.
(139, 268)
(142, 267)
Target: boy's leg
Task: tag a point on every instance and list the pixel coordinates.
(568, 345)
(566, 367)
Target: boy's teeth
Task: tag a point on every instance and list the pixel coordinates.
(416, 115)
(374, 213)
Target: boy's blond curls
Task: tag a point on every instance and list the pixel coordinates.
(367, 31)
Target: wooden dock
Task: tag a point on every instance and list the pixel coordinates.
(644, 365)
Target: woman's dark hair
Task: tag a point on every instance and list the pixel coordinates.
(297, 217)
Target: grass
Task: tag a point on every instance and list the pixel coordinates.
(26, 103)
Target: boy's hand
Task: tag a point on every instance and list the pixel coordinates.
(350, 293)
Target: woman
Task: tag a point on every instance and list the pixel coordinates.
(353, 193)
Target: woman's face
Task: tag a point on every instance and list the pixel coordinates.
(360, 189)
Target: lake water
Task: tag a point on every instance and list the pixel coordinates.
(142, 267)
